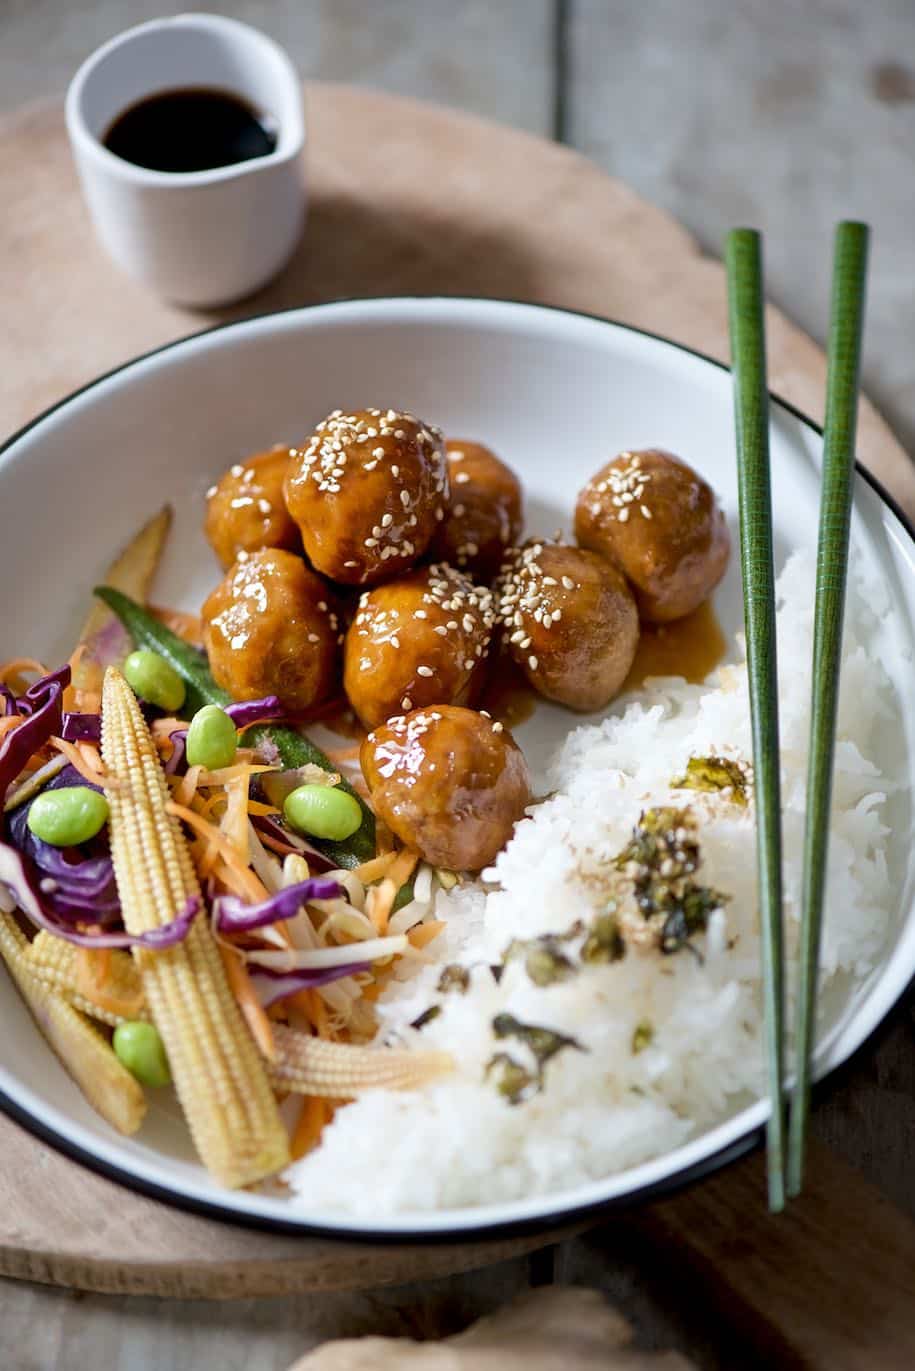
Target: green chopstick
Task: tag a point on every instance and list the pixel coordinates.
(743, 255)
(844, 360)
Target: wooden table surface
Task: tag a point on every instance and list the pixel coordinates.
(723, 111)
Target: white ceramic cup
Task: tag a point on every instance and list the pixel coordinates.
(203, 237)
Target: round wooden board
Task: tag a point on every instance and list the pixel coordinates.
(405, 199)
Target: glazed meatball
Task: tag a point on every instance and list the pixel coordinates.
(246, 509)
(420, 640)
(570, 622)
(271, 628)
(367, 492)
(484, 517)
(449, 782)
(661, 524)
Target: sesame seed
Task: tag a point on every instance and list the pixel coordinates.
(377, 451)
(264, 506)
(370, 542)
(532, 663)
(237, 470)
(568, 582)
(497, 727)
(441, 630)
(406, 703)
(623, 515)
(322, 605)
(313, 638)
(211, 492)
(394, 640)
(350, 563)
(387, 520)
(469, 663)
(405, 499)
(461, 477)
(420, 614)
(645, 511)
(395, 472)
(424, 671)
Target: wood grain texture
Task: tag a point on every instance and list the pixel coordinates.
(778, 115)
(519, 217)
(491, 59)
(830, 1283)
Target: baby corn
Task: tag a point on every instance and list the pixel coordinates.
(220, 1079)
(339, 1071)
(106, 1084)
(56, 963)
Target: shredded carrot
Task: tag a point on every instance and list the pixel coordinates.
(308, 1129)
(375, 869)
(262, 810)
(85, 758)
(277, 845)
(234, 823)
(248, 1003)
(241, 879)
(20, 665)
(8, 723)
(380, 899)
(317, 1012)
(186, 789)
(226, 774)
(422, 934)
(371, 992)
(187, 626)
(93, 970)
(69, 699)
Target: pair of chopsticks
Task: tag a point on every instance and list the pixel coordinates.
(751, 408)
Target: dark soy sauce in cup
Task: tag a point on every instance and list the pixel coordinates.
(190, 130)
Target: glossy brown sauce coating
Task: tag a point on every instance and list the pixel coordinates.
(660, 523)
(246, 509)
(367, 491)
(570, 622)
(449, 782)
(419, 640)
(271, 628)
(484, 516)
(507, 694)
(690, 647)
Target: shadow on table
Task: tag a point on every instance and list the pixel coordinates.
(350, 249)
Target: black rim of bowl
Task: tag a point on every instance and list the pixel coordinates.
(496, 1231)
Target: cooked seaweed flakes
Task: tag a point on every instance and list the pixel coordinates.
(642, 1036)
(544, 1043)
(605, 942)
(715, 774)
(426, 1016)
(454, 977)
(661, 856)
(544, 960)
(512, 1080)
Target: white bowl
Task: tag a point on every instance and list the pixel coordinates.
(555, 393)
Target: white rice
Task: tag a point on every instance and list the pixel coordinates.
(459, 1142)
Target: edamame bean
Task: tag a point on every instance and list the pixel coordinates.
(137, 1046)
(211, 739)
(68, 816)
(151, 677)
(324, 811)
